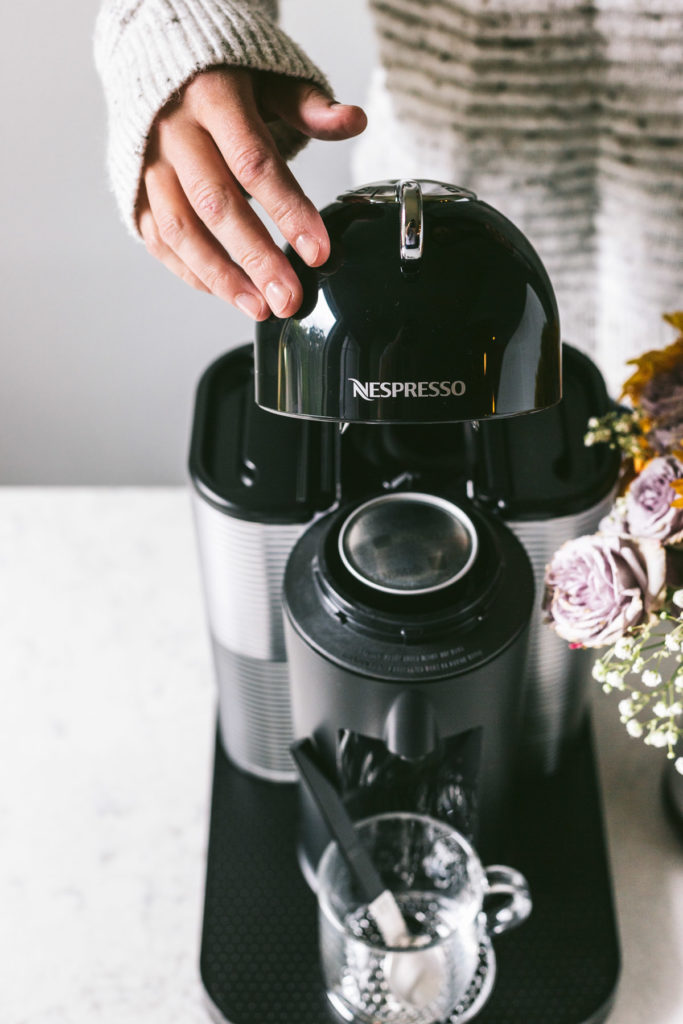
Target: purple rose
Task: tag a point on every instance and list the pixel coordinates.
(662, 400)
(599, 586)
(648, 501)
(663, 439)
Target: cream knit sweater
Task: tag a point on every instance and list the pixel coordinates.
(567, 115)
(145, 50)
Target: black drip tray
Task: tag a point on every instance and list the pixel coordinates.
(259, 960)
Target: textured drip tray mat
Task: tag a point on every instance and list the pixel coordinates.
(259, 961)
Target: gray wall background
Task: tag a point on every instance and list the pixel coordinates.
(101, 347)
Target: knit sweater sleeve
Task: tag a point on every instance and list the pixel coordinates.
(146, 50)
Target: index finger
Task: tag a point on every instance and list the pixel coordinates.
(248, 149)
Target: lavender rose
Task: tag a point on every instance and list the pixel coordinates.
(664, 439)
(648, 501)
(599, 586)
(662, 400)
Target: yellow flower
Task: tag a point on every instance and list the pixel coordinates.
(641, 459)
(657, 361)
(675, 319)
(678, 488)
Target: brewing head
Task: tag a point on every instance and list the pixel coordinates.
(432, 307)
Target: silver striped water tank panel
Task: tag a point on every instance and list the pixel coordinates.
(254, 714)
(557, 677)
(243, 565)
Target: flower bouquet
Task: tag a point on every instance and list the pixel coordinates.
(621, 589)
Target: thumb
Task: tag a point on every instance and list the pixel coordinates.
(312, 111)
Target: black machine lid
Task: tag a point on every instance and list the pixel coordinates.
(432, 307)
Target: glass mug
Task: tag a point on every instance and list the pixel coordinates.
(440, 885)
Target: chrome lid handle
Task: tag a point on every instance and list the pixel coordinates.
(412, 220)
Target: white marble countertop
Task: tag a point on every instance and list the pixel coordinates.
(106, 734)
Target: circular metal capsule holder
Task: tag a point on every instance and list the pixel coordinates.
(408, 543)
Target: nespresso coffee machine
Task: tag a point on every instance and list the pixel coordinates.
(374, 515)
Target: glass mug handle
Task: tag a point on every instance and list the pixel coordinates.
(508, 892)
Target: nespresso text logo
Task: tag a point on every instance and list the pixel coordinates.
(369, 389)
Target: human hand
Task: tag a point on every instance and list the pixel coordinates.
(191, 211)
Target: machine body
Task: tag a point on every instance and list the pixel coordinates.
(374, 514)
(260, 481)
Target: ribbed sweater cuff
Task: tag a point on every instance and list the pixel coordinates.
(146, 51)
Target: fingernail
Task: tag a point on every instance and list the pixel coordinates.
(249, 304)
(278, 296)
(308, 248)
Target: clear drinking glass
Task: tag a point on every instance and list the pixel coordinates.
(440, 885)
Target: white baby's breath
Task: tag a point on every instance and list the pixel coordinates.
(624, 648)
(599, 672)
